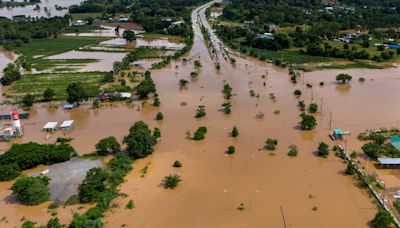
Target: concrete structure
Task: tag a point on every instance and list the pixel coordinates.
(16, 123)
(66, 125)
(50, 126)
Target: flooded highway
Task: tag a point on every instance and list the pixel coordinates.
(275, 189)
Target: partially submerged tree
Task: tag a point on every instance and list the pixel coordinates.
(139, 141)
(235, 132)
(31, 190)
(382, 219)
(323, 149)
(28, 100)
(270, 144)
(307, 122)
(108, 145)
(201, 111)
(313, 108)
(227, 91)
(200, 133)
(343, 78)
(171, 181)
(129, 35)
(93, 185)
(76, 93)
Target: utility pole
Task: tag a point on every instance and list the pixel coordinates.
(330, 120)
(322, 100)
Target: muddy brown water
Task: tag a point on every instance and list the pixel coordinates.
(275, 189)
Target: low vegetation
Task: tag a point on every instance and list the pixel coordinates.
(31, 190)
(171, 181)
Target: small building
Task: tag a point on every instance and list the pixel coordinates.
(267, 36)
(336, 134)
(389, 162)
(50, 126)
(66, 125)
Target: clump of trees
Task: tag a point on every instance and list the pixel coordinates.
(146, 86)
(227, 108)
(29, 155)
(270, 144)
(139, 141)
(297, 93)
(107, 146)
(9, 172)
(93, 185)
(307, 122)
(323, 150)
(31, 190)
(129, 35)
(382, 219)
(10, 74)
(343, 78)
(48, 94)
(171, 181)
(200, 133)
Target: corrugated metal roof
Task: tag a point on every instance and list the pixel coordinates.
(389, 161)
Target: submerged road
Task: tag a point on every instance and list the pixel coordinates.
(199, 20)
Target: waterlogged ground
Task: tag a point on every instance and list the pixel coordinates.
(47, 8)
(304, 191)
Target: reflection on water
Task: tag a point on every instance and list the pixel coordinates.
(47, 9)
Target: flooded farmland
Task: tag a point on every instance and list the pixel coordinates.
(46, 8)
(275, 189)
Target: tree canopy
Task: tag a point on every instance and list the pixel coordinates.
(76, 93)
(31, 190)
(139, 141)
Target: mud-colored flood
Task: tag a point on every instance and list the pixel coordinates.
(275, 189)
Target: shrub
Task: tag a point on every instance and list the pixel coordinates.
(48, 94)
(177, 164)
(92, 185)
(53, 205)
(28, 100)
(231, 150)
(108, 145)
(28, 224)
(200, 133)
(343, 78)
(293, 150)
(156, 102)
(297, 93)
(201, 111)
(156, 133)
(235, 132)
(270, 144)
(350, 169)
(53, 223)
(9, 172)
(31, 190)
(159, 116)
(313, 108)
(171, 181)
(130, 204)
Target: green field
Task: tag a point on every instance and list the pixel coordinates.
(59, 45)
(82, 28)
(82, 16)
(36, 84)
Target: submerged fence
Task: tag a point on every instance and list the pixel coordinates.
(374, 192)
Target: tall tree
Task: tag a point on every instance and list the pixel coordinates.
(76, 93)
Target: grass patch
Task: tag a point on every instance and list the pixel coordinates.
(82, 16)
(148, 52)
(43, 64)
(351, 65)
(291, 57)
(155, 36)
(36, 84)
(83, 28)
(56, 46)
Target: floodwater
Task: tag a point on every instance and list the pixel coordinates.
(274, 188)
(105, 63)
(47, 9)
